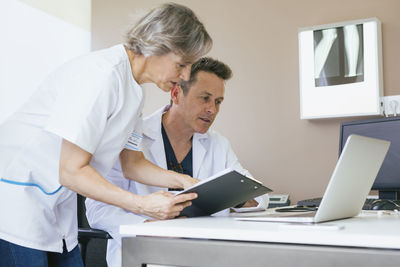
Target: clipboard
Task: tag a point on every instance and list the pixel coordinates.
(221, 191)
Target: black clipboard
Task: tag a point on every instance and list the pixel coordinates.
(221, 191)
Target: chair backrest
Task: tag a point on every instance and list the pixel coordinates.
(93, 242)
(82, 220)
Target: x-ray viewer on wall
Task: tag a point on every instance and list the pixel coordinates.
(338, 55)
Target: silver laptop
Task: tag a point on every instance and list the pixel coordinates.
(348, 187)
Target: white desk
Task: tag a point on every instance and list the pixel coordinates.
(366, 240)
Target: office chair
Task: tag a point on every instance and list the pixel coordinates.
(92, 242)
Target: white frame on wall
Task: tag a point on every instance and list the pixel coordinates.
(361, 98)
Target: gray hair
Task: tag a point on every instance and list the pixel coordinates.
(169, 28)
(209, 65)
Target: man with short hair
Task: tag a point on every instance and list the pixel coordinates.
(176, 137)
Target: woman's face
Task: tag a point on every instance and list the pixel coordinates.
(167, 70)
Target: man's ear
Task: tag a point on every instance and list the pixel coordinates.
(176, 91)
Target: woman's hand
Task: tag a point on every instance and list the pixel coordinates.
(188, 181)
(163, 205)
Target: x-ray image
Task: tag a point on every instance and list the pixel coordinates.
(338, 55)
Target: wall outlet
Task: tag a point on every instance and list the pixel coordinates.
(391, 105)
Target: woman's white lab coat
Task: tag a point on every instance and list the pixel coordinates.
(93, 102)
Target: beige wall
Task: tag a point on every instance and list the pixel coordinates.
(260, 115)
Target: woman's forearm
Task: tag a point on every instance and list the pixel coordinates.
(136, 167)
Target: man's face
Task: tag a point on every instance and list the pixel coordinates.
(201, 104)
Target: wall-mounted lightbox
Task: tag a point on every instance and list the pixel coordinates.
(341, 69)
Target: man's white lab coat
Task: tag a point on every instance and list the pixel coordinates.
(212, 153)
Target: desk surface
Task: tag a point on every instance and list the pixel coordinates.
(366, 230)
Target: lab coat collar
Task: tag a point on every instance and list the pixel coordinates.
(152, 125)
(152, 130)
(153, 138)
(200, 145)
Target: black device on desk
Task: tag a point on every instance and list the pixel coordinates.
(370, 203)
(387, 181)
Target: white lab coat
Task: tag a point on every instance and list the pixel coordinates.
(211, 153)
(93, 102)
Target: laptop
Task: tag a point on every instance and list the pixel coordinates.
(348, 187)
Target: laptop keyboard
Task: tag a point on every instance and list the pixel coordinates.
(314, 202)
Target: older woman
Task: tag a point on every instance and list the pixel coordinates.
(66, 138)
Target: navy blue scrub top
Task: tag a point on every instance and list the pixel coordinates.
(185, 167)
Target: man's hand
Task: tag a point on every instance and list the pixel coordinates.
(163, 205)
(250, 203)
